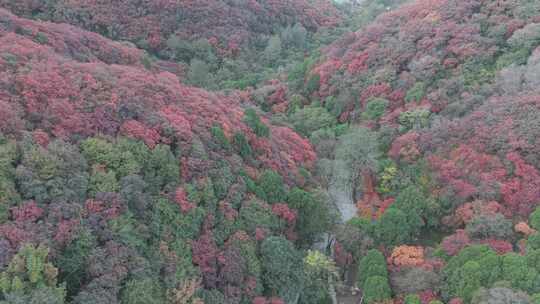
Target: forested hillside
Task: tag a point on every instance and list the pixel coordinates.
(441, 158)
(121, 184)
(219, 43)
(266, 152)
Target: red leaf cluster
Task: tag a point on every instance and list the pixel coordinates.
(180, 197)
(454, 243)
(283, 211)
(28, 211)
(427, 296)
(499, 246)
(65, 230)
(521, 192)
(137, 130)
(110, 209)
(205, 255)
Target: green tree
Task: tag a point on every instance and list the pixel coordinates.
(272, 186)
(393, 228)
(375, 108)
(416, 207)
(297, 74)
(376, 289)
(533, 241)
(213, 296)
(414, 119)
(73, 260)
(535, 299)
(412, 299)
(321, 272)
(310, 119)
(8, 192)
(102, 181)
(116, 157)
(222, 179)
(500, 295)
(527, 37)
(517, 272)
(313, 84)
(355, 236)
(416, 93)
(161, 169)
(283, 268)
(314, 215)
(30, 278)
(470, 281)
(254, 122)
(242, 145)
(294, 36)
(534, 219)
(167, 218)
(484, 269)
(199, 73)
(144, 291)
(272, 52)
(55, 173)
(100, 151)
(133, 191)
(373, 264)
(220, 138)
(254, 214)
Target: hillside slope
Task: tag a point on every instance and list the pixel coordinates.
(427, 119)
(125, 180)
(435, 75)
(220, 43)
(138, 188)
(151, 23)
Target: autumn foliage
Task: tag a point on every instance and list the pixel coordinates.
(407, 256)
(114, 157)
(227, 26)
